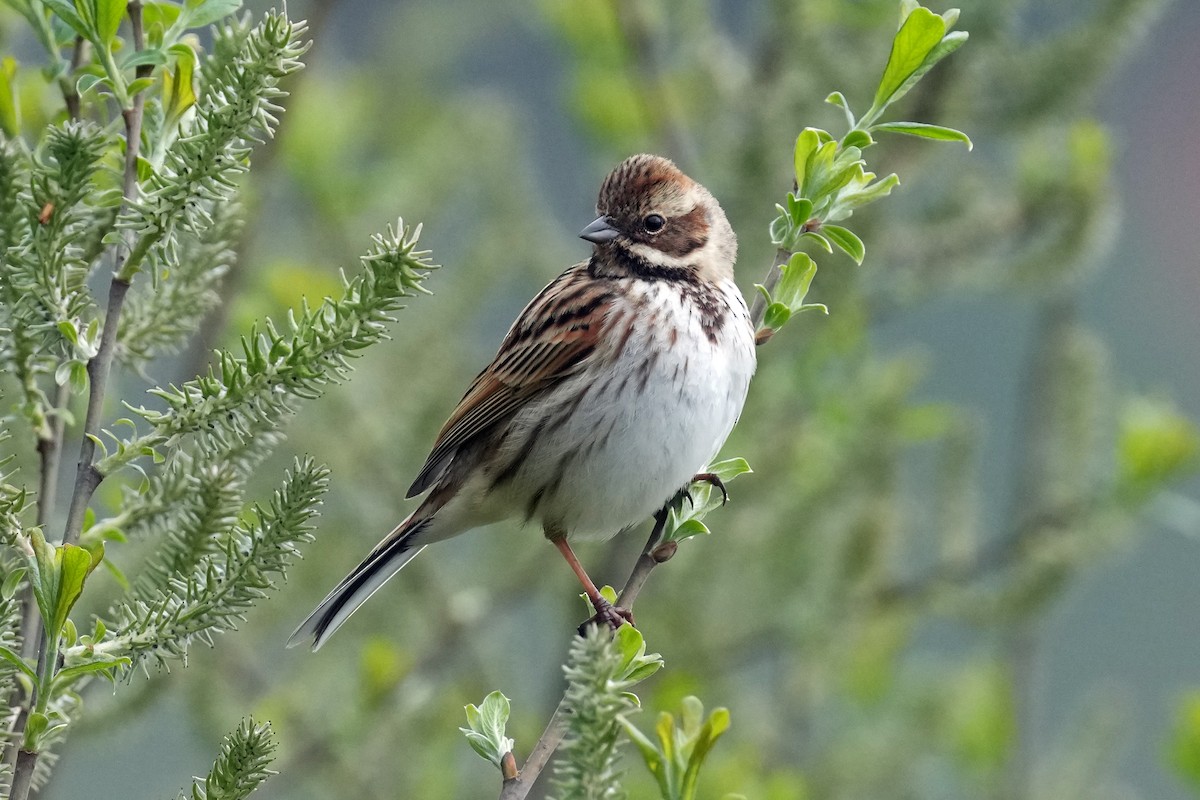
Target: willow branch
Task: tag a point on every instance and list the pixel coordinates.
(87, 478)
(69, 92)
(518, 787)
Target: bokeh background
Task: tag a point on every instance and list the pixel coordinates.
(966, 563)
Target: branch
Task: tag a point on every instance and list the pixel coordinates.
(69, 92)
(99, 367)
(518, 788)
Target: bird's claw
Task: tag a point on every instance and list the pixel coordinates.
(713, 480)
(607, 614)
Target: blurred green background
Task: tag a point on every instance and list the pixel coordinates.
(966, 564)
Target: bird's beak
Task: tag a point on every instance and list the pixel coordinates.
(600, 231)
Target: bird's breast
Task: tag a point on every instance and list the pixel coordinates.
(651, 408)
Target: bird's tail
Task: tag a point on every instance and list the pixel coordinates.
(396, 550)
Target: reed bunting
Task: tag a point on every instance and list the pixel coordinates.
(615, 385)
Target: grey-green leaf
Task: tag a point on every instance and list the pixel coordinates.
(925, 131)
(916, 39)
(846, 240)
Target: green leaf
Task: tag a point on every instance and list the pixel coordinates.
(948, 45)
(635, 665)
(151, 55)
(690, 528)
(65, 11)
(729, 468)
(179, 84)
(839, 100)
(649, 752)
(806, 144)
(857, 138)
(108, 15)
(162, 15)
(846, 240)
(486, 724)
(776, 316)
(11, 581)
(205, 12)
(135, 87)
(87, 81)
(913, 43)
(925, 131)
(1184, 745)
(702, 744)
(1155, 445)
(76, 564)
(14, 658)
(795, 278)
(817, 239)
(10, 107)
(799, 209)
(67, 328)
(105, 665)
(869, 193)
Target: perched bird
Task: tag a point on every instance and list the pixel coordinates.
(615, 385)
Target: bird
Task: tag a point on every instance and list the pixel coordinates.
(616, 385)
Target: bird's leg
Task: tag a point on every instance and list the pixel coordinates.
(606, 612)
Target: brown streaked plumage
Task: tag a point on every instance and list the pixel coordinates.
(616, 384)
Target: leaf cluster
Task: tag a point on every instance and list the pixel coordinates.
(676, 758)
(831, 178)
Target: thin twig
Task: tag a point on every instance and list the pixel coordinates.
(518, 788)
(758, 308)
(650, 558)
(87, 478)
(23, 774)
(69, 92)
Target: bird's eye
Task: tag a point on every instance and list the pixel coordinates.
(653, 223)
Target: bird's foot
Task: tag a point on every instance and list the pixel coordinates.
(607, 614)
(713, 480)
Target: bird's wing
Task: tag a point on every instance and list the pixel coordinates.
(555, 333)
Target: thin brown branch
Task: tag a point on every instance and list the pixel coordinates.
(758, 308)
(70, 94)
(518, 788)
(99, 367)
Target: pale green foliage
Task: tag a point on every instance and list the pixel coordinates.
(249, 394)
(219, 580)
(595, 700)
(687, 512)
(485, 728)
(240, 767)
(73, 210)
(159, 318)
(676, 758)
(237, 107)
